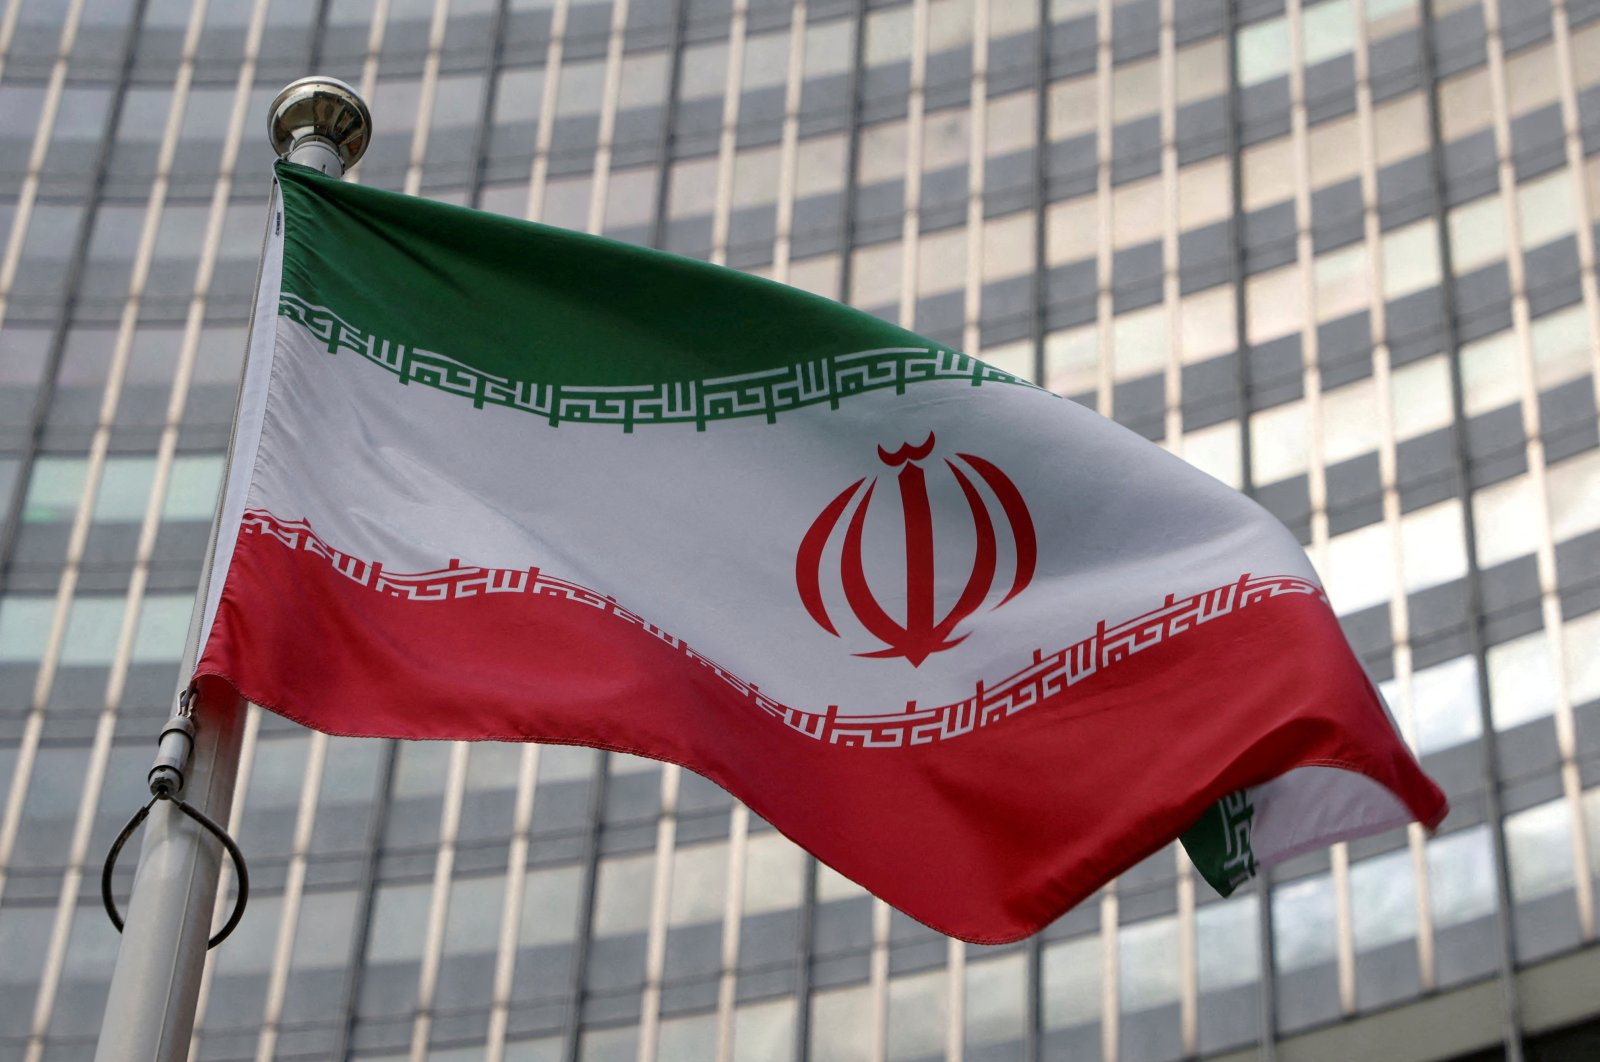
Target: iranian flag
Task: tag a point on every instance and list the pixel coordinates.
(969, 643)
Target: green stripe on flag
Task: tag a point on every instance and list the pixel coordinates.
(764, 393)
(527, 304)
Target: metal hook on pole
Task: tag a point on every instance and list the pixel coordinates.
(166, 783)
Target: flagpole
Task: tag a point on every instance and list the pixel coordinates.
(322, 123)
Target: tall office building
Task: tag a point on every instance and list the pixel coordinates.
(1340, 255)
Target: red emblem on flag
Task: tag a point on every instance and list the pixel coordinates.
(922, 633)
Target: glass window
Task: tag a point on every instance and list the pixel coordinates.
(630, 198)
(875, 276)
(1477, 233)
(549, 906)
(1433, 545)
(1522, 684)
(1135, 90)
(566, 203)
(1328, 30)
(1335, 149)
(1303, 923)
(756, 176)
(1139, 342)
(1227, 943)
(1278, 442)
(580, 88)
(819, 166)
(1074, 108)
(1263, 51)
(699, 883)
(1072, 230)
(1400, 128)
(277, 772)
(1461, 877)
(1444, 704)
(1269, 171)
(1574, 488)
(92, 629)
(1009, 125)
(883, 153)
(1273, 304)
(889, 36)
(1505, 516)
(837, 1018)
(996, 996)
(1360, 569)
(1207, 324)
(917, 1015)
(1531, 80)
(1490, 375)
(124, 489)
(1539, 848)
(1544, 208)
(764, 1030)
(622, 903)
(832, 885)
(1014, 358)
(1560, 343)
(192, 487)
(54, 489)
(774, 874)
(22, 354)
(1202, 70)
(1410, 259)
(1383, 900)
(1007, 247)
(399, 921)
(1071, 360)
(24, 626)
(609, 1045)
(949, 25)
(81, 113)
(942, 261)
(163, 627)
(818, 275)
(1420, 397)
(1137, 211)
(1349, 421)
(687, 1039)
(457, 101)
(494, 765)
(704, 71)
(1341, 282)
(520, 95)
(766, 61)
(1146, 975)
(946, 138)
(1215, 451)
(323, 930)
(472, 925)
(1071, 990)
(829, 47)
(1466, 104)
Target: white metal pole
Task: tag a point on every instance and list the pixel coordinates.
(149, 1017)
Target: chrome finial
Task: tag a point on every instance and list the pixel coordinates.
(320, 122)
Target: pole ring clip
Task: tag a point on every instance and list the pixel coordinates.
(241, 869)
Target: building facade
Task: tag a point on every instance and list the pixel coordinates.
(1338, 254)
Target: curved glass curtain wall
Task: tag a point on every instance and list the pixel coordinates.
(1337, 254)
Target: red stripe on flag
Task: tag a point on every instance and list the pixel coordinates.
(988, 838)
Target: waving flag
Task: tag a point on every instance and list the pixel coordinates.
(972, 645)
